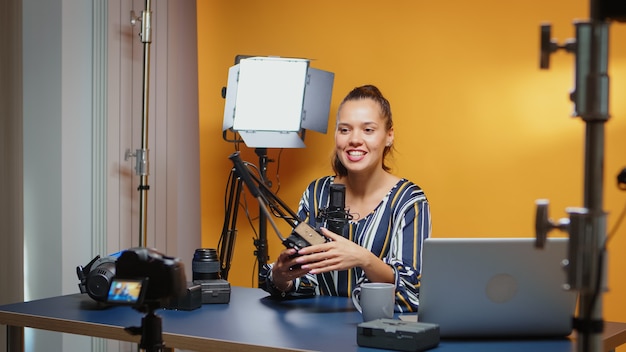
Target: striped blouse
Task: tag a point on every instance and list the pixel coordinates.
(394, 231)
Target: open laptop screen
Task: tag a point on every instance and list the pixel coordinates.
(496, 287)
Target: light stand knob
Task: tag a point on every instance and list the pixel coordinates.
(543, 224)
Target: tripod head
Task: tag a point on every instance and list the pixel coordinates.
(151, 329)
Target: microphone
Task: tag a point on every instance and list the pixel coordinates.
(335, 215)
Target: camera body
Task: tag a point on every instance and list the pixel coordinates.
(214, 291)
(165, 275)
(136, 276)
(304, 235)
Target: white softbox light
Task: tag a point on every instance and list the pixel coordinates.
(270, 100)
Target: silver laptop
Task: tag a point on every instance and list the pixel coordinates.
(495, 287)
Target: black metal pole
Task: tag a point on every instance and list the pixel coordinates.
(229, 230)
(593, 68)
(586, 269)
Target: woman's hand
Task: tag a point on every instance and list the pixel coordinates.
(338, 254)
(343, 254)
(286, 269)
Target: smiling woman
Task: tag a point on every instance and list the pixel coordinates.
(390, 215)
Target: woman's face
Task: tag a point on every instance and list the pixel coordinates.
(361, 137)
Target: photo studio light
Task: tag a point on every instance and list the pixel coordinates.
(271, 100)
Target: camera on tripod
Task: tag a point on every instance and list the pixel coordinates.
(145, 277)
(136, 276)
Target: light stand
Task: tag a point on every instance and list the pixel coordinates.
(586, 263)
(151, 339)
(141, 155)
(270, 102)
(261, 243)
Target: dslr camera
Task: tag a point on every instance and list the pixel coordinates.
(139, 276)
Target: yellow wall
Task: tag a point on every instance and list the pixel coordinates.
(478, 125)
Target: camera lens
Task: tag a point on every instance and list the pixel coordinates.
(205, 264)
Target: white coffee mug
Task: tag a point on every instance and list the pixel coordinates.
(374, 300)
